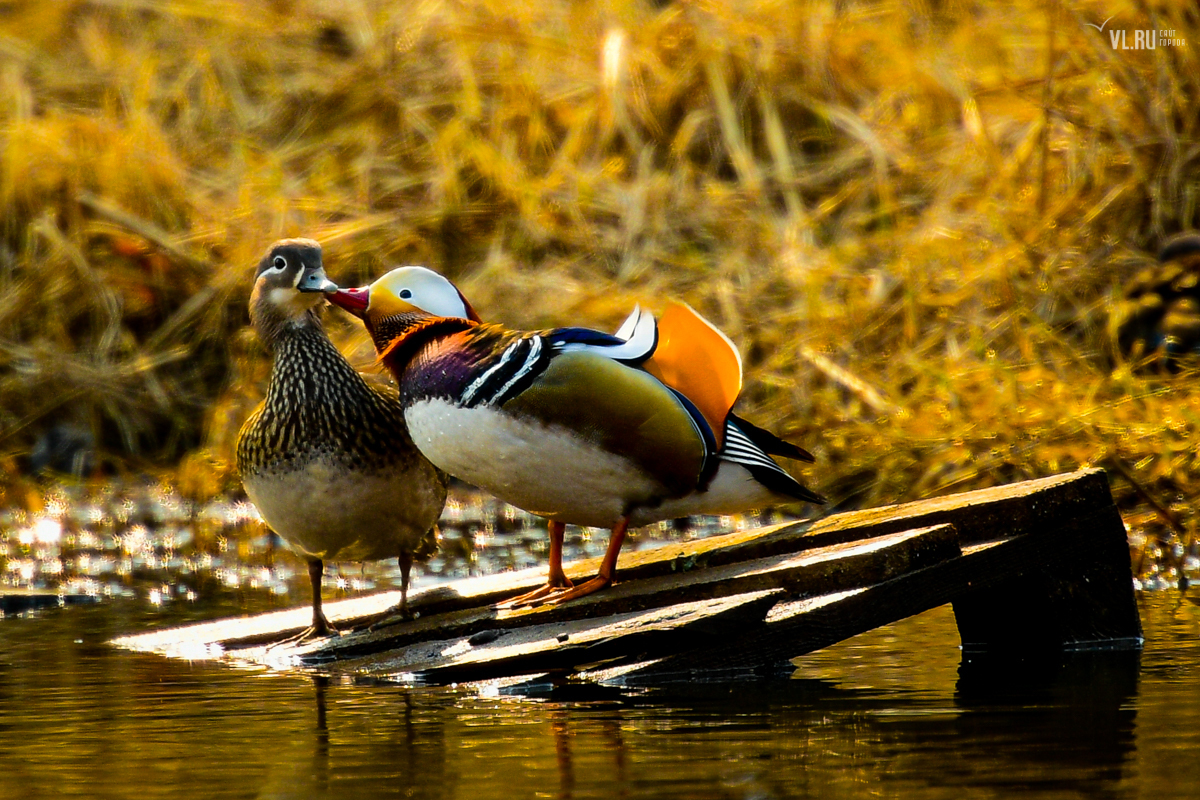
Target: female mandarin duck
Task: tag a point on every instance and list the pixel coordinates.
(572, 424)
(1159, 315)
(327, 458)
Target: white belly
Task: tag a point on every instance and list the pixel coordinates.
(325, 513)
(546, 470)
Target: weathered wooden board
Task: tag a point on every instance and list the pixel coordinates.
(1082, 596)
(573, 646)
(15, 601)
(1037, 564)
(468, 594)
(830, 569)
(821, 569)
(979, 516)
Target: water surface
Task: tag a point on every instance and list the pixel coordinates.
(892, 713)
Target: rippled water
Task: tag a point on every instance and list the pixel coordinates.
(892, 713)
(145, 542)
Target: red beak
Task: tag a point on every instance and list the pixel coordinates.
(353, 300)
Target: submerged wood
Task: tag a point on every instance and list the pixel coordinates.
(16, 601)
(1043, 557)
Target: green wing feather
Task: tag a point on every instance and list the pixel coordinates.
(623, 410)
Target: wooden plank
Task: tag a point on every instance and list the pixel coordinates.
(469, 593)
(1020, 581)
(981, 512)
(803, 625)
(1011, 510)
(979, 516)
(572, 646)
(820, 570)
(211, 638)
(1015, 509)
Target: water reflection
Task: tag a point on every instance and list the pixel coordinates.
(892, 713)
(567, 730)
(1060, 727)
(1074, 715)
(146, 542)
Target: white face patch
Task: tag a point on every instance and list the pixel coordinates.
(289, 299)
(424, 289)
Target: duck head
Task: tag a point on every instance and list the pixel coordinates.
(402, 299)
(289, 287)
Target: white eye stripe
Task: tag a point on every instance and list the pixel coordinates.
(426, 290)
(279, 264)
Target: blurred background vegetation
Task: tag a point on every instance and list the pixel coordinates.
(914, 218)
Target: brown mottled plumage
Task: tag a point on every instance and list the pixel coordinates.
(1159, 314)
(326, 457)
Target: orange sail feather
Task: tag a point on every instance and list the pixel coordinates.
(698, 361)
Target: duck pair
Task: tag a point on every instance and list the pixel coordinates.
(571, 424)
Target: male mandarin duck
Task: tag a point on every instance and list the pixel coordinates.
(571, 424)
(326, 457)
(1160, 309)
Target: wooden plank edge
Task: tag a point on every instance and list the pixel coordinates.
(1016, 509)
(664, 630)
(520, 649)
(793, 630)
(824, 569)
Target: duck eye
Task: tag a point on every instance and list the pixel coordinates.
(405, 294)
(279, 263)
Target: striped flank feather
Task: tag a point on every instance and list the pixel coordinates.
(740, 449)
(770, 443)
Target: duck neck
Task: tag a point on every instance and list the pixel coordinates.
(274, 325)
(400, 338)
(308, 369)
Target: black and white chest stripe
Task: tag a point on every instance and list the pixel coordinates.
(527, 357)
(516, 368)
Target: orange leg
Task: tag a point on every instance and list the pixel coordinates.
(557, 579)
(608, 568)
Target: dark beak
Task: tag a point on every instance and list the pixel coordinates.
(313, 280)
(353, 300)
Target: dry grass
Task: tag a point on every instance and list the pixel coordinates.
(911, 217)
